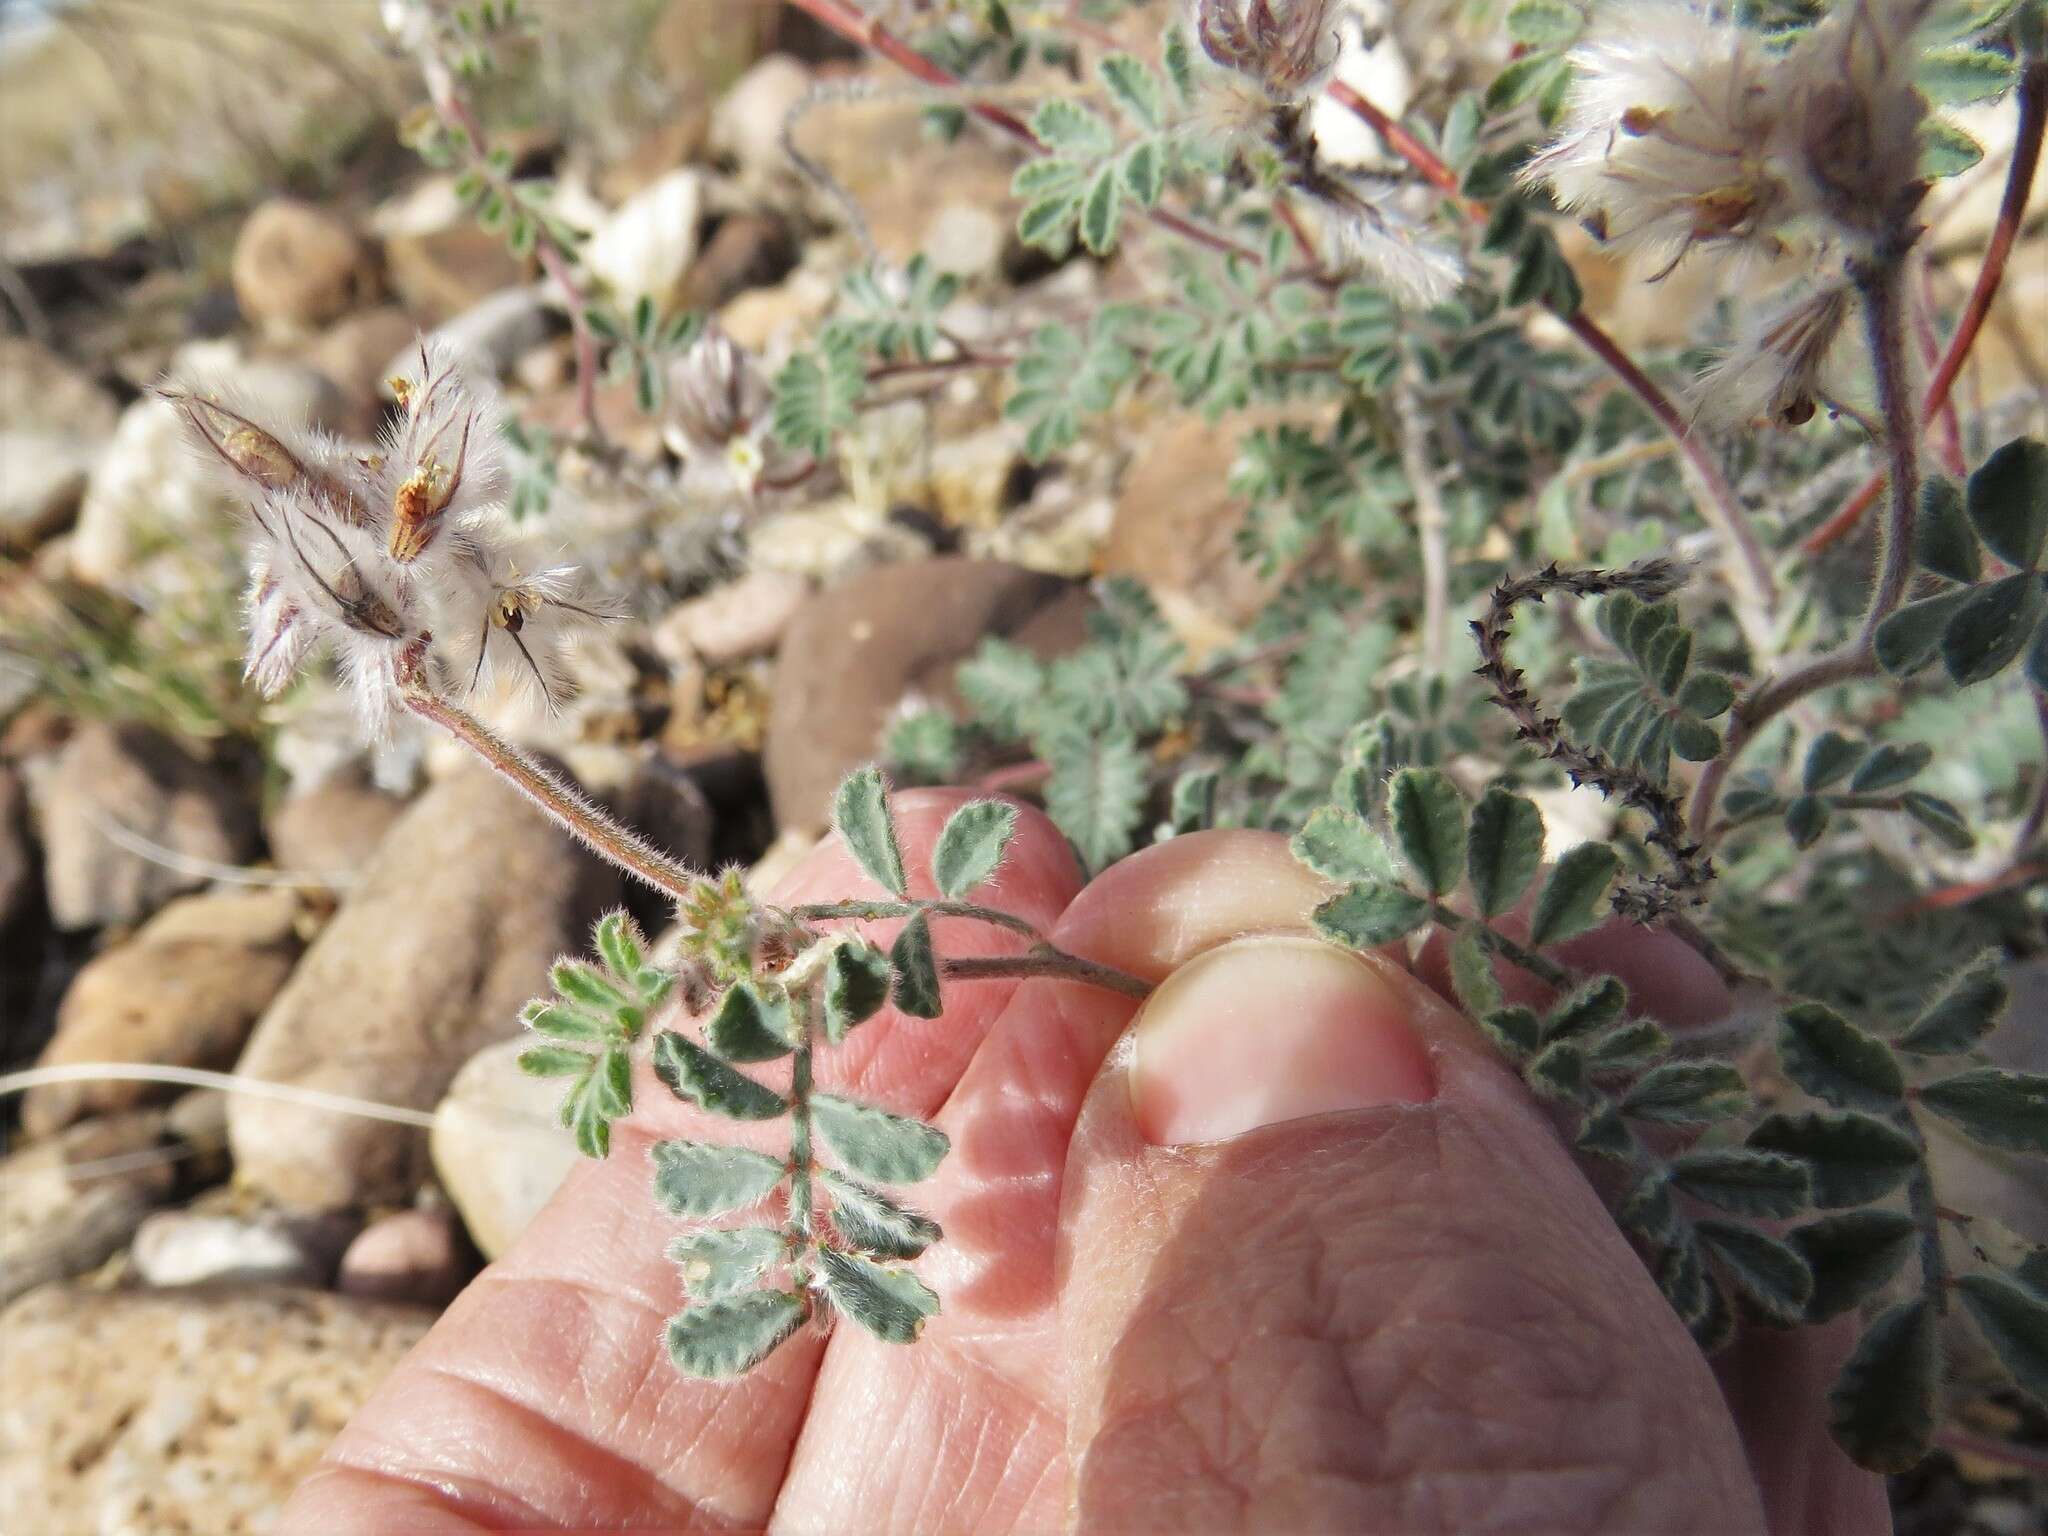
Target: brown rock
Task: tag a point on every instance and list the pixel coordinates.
(442, 271)
(498, 1149)
(745, 617)
(185, 991)
(471, 895)
(54, 423)
(333, 829)
(75, 1200)
(748, 250)
(853, 652)
(15, 869)
(181, 1413)
(413, 1256)
(135, 780)
(356, 353)
(1176, 521)
(296, 266)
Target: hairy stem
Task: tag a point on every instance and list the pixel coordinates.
(802, 1217)
(1749, 565)
(562, 802)
(1432, 524)
(2012, 208)
(1885, 322)
(1045, 961)
(1520, 956)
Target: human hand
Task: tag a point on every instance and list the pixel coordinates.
(1298, 1254)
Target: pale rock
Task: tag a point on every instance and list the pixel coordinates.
(331, 830)
(41, 392)
(499, 1149)
(967, 240)
(297, 266)
(42, 482)
(1373, 63)
(830, 541)
(643, 249)
(184, 992)
(747, 123)
(472, 894)
(971, 475)
(488, 336)
(220, 1247)
(743, 618)
(180, 1413)
(131, 778)
(75, 1200)
(413, 1256)
(766, 321)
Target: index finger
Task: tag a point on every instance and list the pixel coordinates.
(543, 1397)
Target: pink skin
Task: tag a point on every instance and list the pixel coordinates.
(1385, 1299)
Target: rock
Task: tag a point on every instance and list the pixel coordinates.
(16, 868)
(764, 320)
(748, 250)
(747, 122)
(296, 266)
(665, 804)
(180, 1413)
(184, 992)
(355, 354)
(263, 1247)
(490, 335)
(43, 486)
(499, 1150)
(643, 249)
(439, 259)
(854, 651)
(134, 779)
(150, 490)
(331, 831)
(199, 1120)
(75, 1200)
(41, 392)
(413, 1256)
(730, 623)
(698, 47)
(1176, 521)
(966, 239)
(471, 895)
(972, 475)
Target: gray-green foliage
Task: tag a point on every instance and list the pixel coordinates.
(820, 1229)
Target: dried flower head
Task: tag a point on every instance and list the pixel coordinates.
(1286, 47)
(719, 417)
(390, 558)
(1684, 131)
(1780, 363)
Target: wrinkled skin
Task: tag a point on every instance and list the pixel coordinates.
(1413, 1318)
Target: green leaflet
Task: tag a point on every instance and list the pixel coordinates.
(697, 1076)
(860, 813)
(889, 1302)
(875, 1144)
(716, 1264)
(970, 848)
(696, 1179)
(716, 1340)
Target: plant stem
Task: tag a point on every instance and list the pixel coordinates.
(562, 802)
(1520, 956)
(850, 22)
(1749, 566)
(454, 109)
(1432, 524)
(1882, 285)
(882, 911)
(802, 1219)
(2012, 208)
(1045, 961)
(1961, 1442)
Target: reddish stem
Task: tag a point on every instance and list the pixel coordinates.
(1754, 560)
(1949, 436)
(2019, 186)
(2027, 1458)
(856, 26)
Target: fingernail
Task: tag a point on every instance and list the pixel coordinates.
(1270, 1029)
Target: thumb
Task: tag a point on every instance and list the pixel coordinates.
(1324, 1265)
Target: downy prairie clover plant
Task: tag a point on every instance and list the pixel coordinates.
(1815, 758)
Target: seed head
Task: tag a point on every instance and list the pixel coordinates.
(1287, 47)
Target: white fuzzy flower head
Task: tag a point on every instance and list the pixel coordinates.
(1684, 132)
(402, 563)
(1389, 248)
